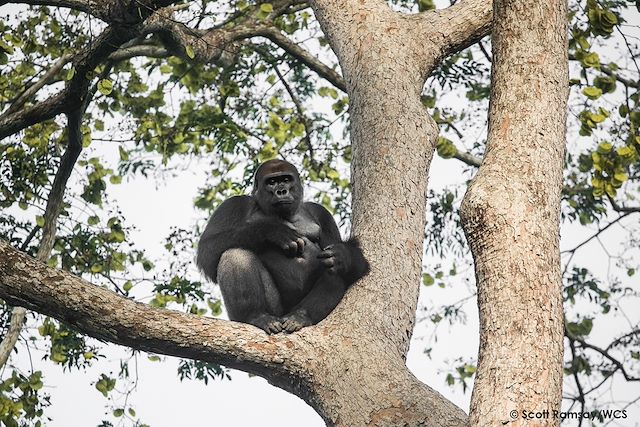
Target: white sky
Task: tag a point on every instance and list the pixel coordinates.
(161, 400)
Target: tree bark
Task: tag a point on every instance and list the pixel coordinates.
(350, 367)
(511, 215)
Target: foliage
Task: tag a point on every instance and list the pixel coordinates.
(161, 106)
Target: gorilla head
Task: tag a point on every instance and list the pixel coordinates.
(277, 188)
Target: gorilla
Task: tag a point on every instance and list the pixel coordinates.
(280, 262)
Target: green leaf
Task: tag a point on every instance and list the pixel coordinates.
(118, 412)
(450, 379)
(591, 60)
(427, 279)
(592, 92)
(70, 73)
(424, 5)
(190, 52)
(625, 152)
(40, 221)
(604, 147)
(105, 86)
(105, 384)
(266, 7)
(58, 357)
(124, 154)
(584, 44)
(622, 177)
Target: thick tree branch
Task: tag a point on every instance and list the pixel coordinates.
(461, 25)
(102, 314)
(515, 243)
(87, 6)
(111, 11)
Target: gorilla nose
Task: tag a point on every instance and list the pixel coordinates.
(282, 192)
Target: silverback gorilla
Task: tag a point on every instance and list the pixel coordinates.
(280, 262)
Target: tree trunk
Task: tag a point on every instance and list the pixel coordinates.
(351, 367)
(511, 215)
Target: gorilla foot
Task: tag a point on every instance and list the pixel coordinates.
(295, 321)
(268, 323)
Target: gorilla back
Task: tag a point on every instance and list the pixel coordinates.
(280, 262)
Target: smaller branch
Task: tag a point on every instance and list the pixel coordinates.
(596, 234)
(604, 353)
(468, 158)
(484, 51)
(580, 397)
(52, 211)
(304, 56)
(616, 207)
(29, 238)
(626, 82)
(141, 50)
(301, 115)
(32, 90)
(18, 318)
(86, 6)
(126, 17)
(608, 71)
(626, 42)
(618, 340)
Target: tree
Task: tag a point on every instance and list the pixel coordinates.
(119, 75)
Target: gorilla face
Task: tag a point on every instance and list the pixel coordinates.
(277, 188)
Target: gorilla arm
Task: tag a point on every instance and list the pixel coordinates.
(344, 259)
(238, 224)
(344, 263)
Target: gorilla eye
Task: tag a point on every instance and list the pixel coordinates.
(271, 181)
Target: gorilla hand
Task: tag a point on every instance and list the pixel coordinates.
(337, 258)
(286, 239)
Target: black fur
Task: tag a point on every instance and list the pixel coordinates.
(280, 262)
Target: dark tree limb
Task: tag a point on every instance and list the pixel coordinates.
(302, 55)
(126, 17)
(605, 353)
(52, 211)
(625, 209)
